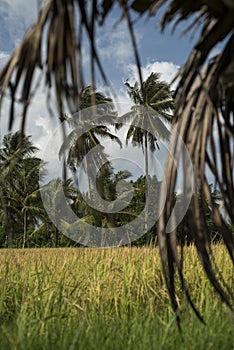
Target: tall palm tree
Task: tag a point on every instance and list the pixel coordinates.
(15, 149)
(153, 107)
(87, 132)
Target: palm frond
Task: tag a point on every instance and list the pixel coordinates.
(203, 104)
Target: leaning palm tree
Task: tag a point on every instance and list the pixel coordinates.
(89, 127)
(153, 107)
(204, 99)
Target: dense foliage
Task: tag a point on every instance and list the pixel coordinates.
(24, 221)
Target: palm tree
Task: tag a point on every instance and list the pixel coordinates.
(106, 188)
(48, 202)
(15, 149)
(29, 199)
(153, 107)
(88, 131)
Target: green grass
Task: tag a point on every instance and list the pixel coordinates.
(105, 299)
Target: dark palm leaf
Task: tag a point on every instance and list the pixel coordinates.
(204, 103)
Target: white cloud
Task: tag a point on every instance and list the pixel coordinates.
(39, 124)
(4, 57)
(168, 71)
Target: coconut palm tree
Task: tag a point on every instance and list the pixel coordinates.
(107, 187)
(88, 130)
(153, 107)
(29, 200)
(15, 149)
(52, 212)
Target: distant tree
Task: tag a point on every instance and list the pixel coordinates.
(107, 183)
(153, 107)
(13, 153)
(52, 197)
(92, 131)
(28, 193)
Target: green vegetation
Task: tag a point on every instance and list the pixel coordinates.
(86, 134)
(24, 221)
(20, 203)
(106, 299)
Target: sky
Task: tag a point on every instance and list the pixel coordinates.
(159, 52)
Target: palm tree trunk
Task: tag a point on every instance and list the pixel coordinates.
(88, 176)
(9, 240)
(146, 184)
(8, 230)
(25, 229)
(56, 237)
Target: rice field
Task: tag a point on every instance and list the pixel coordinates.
(106, 299)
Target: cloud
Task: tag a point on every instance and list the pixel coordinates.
(39, 125)
(4, 57)
(117, 45)
(167, 70)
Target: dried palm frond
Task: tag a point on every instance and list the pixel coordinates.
(204, 113)
(204, 119)
(204, 106)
